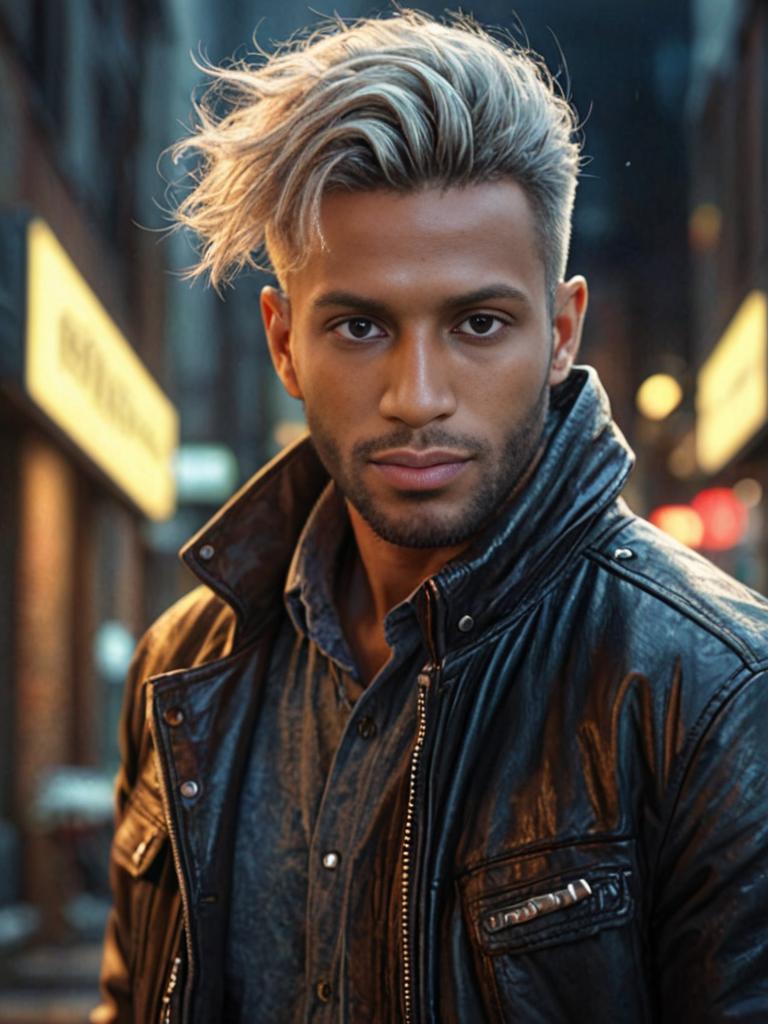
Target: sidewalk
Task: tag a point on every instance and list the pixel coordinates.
(50, 985)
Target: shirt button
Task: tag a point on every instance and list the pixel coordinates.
(324, 990)
(207, 551)
(366, 727)
(466, 623)
(189, 789)
(173, 716)
(331, 860)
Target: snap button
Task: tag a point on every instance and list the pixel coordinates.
(173, 716)
(622, 554)
(366, 728)
(331, 860)
(466, 622)
(207, 551)
(189, 789)
(324, 991)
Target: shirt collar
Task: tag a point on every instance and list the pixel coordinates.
(310, 585)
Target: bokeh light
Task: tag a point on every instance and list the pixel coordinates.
(658, 396)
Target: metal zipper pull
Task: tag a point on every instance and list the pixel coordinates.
(519, 913)
(165, 1005)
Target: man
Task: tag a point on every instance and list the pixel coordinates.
(446, 734)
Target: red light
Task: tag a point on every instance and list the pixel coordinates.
(723, 516)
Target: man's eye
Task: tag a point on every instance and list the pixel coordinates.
(358, 329)
(481, 325)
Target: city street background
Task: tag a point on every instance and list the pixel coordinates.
(132, 404)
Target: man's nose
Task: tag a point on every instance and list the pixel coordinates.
(418, 383)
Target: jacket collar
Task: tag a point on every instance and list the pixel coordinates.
(243, 553)
(583, 467)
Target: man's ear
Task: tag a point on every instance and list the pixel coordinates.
(276, 314)
(570, 309)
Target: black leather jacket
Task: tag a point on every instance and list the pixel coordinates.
(587, 833)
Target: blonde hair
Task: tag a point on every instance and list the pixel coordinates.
(398, 103)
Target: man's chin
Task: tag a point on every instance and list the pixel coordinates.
(419, 531)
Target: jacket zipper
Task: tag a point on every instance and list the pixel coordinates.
(405, 883)
(183, 891)
(425, 679)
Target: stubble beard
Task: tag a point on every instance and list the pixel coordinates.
(417, 525)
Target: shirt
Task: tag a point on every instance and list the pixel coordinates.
(329, 759)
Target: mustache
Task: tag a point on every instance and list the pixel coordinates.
(421, 440)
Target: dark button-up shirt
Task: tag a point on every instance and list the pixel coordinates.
(314, 901)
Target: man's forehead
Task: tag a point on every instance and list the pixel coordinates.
(458, 241)
(429, 211)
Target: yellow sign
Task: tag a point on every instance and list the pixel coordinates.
(83, 373)
(732, 386)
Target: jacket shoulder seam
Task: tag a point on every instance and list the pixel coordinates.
(679, 603)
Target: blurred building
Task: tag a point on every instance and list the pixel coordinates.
(87, 431)
(234, 414)
(728, 109)
(712, 449)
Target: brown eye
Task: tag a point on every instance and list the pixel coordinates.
(482, 325)
(358, 329)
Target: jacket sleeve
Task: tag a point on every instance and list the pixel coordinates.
(711, 925)
(199, 627)
(115, 981)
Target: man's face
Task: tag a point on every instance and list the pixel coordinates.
(420, 339)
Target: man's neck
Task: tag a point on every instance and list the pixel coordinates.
(379, 576)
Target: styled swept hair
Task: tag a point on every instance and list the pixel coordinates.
(400, 103)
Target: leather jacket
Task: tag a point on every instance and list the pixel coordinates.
(586, 832)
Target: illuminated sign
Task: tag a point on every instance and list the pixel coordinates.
(732, 389)
(205, 472)
(85, 376)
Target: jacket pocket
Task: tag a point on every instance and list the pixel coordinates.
(149, 908)
(139, 839)
(555, 934)
(139, 848)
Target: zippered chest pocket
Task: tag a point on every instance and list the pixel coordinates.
(553, 909)
(529, 900)
(555, 934)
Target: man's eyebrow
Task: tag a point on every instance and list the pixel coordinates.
(473, 298)
(351, 301)
(488, 294)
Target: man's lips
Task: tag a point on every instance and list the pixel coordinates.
(427, 470)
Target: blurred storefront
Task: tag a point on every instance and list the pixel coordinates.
(87, 436)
